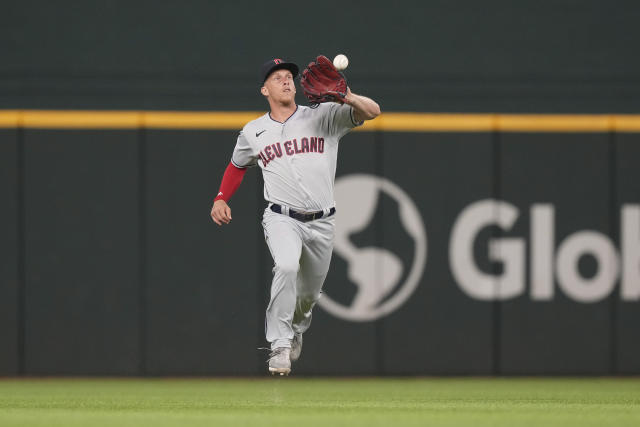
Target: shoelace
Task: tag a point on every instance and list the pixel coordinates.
(277, 352)
(272, 353)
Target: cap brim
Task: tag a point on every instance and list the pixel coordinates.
(283, 65)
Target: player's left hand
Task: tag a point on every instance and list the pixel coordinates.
(322, 82)
(221, 212)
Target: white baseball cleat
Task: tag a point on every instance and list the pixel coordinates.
(296, 347)
(279, 362)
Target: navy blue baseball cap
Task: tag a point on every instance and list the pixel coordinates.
(277, 64)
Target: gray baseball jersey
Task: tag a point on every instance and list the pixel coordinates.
(298, 157)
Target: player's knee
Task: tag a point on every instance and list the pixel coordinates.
(287, 268)
(308, 297)
(305, 302)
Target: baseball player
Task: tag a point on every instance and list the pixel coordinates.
(296, 147)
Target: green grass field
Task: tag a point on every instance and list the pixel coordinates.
(321, 402)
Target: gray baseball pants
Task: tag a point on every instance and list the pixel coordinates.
(301, 254)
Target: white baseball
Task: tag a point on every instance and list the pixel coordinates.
(340, 62)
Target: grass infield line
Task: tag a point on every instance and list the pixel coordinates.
(387, 122)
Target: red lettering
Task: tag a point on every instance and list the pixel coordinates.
(277, 149)
(320, 145)
(305, 145)
(268, 153)
(288, 149)
(295, 145)
(314, 145)
(264, 160)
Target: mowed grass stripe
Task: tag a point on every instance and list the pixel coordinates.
(321, 402)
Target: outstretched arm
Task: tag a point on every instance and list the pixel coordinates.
(363, 108)
(221, 212)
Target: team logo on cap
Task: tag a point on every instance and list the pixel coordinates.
(278, 61)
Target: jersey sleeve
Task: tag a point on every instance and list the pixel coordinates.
(243, 155)
(340, 119)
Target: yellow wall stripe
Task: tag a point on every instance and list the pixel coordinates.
(9, 119)
(626, 123)
(424, 122)
(554, 123)
(198, 120)
(387, 122)
(80, 119)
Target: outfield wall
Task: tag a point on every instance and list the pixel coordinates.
(528, 56)
(515, 239)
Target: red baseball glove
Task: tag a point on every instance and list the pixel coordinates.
(321, 82)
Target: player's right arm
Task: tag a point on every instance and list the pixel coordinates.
(221, 212)
(242, 158)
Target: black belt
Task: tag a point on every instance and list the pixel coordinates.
(302, 216)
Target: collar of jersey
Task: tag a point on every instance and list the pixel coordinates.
(292, 114)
